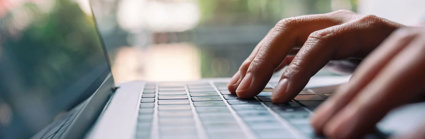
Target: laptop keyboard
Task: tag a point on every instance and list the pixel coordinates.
(208, 110)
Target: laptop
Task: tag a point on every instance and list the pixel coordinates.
(56, 83)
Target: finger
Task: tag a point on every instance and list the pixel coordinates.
(285, 35)
(321, 46)
(236, 79)
(285, 62)
(231, 86)
(288, 59)
(399, 82)
(363, 75)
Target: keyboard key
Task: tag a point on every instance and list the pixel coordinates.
(145, 118)
(202, 90)
(305, 129)
(242, 102)
(274, 134)
(311, 104)
(254, 113)
(173, 102)
(149, 87)
(209, 104)
(207, 98)
(175, 114)
(146, 111)
(226, 135)
(148, 100)
(288, 104)
(172, 97)
(147, 105)
(230, 96)
(263, 121)
(264, 98)
(222, 129)
(148, 96)
(221, 123)
(308, 97)
(174, 107)
(225, 92)
(209, 89)
(266, 126)
(172, 93)
(221, 126)
(212, 118)
(176, 121)
(289, 109)
(172, 89)
(215, 115)
(294, 115)
(247, 107)
(177, 130)
(148, 91)
(215, 120)
(254, 119)
(267, 94)
(221, 109)
(143, 134)
(299, 121)
(203, 93)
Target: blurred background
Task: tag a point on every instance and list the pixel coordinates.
(159, 40)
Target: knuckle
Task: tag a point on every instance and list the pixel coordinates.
(342, 12)
(285, 24)
(372, 20)
(244, 66)
(320, 36)
(292, 70)
(253, 68)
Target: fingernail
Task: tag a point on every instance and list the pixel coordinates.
(280, 90)
(245, 84)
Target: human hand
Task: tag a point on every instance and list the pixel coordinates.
(323, 37)
(393, 74)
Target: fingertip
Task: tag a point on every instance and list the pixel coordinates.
(344, 125)
(242, 91)
(279, 92)
(232, 88)
(233, 83)
(320, 117)
(330, 132)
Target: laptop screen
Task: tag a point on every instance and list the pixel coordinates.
(51, 58)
